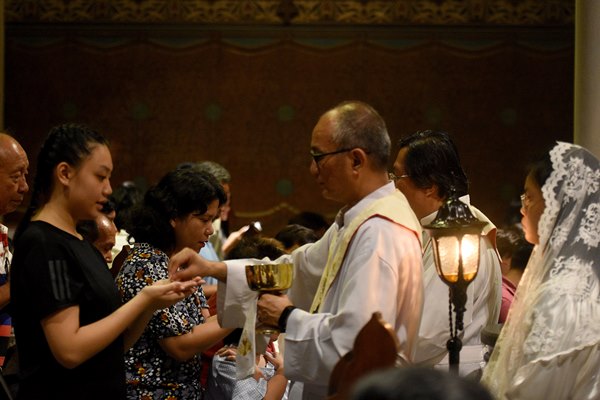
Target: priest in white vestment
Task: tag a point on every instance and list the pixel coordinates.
(369, 259)
(425, 170)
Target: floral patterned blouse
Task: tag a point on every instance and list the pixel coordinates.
(151, 373)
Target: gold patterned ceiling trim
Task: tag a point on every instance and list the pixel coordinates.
(297, 12)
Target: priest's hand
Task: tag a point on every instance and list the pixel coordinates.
(188, 264)
(270, 307)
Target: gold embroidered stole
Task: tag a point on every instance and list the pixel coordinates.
(394, 207)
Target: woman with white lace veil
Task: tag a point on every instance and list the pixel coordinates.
(549, 347)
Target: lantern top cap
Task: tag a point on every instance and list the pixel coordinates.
(455, 214)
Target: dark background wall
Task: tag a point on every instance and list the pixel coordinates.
(231, 82)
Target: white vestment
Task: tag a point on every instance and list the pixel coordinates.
(381, 271)
(484, 298)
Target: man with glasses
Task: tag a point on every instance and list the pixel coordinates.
(368, 260)
(426, 169)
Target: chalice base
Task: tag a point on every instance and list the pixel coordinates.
(265, 329)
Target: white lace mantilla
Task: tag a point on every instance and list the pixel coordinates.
(552, 334)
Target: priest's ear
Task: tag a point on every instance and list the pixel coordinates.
(358, 158)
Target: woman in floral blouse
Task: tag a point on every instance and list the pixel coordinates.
(176, 213)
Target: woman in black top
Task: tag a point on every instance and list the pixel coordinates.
(70, 326)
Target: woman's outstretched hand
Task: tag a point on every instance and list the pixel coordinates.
(164, 293)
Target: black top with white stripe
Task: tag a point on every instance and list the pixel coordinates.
(52, 270)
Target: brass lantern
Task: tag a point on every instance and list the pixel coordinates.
(455, 235)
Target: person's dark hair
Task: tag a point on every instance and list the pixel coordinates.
(513, 211)
(109, 206)
(256, 247)
(521, 255)
(311, 220)
(70, 143)
(507, 241)
(432, 159)
(219, 172)
(541, 169)
(295, 234)
(216, 169)
(185, 164)
(418, 383)
(125, 197)
(177, 194)
(359, 125)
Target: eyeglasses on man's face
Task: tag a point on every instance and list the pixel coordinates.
(317, 157)
(394, 177)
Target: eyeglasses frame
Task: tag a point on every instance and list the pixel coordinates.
(393, 177)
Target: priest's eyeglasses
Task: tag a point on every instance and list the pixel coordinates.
(319, 156)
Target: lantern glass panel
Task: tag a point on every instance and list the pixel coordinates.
(470, 256)
(448, 251)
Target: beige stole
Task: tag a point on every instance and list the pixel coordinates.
(394, 208)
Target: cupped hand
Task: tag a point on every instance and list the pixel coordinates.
(165, 293)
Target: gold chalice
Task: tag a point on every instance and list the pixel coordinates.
(269, 278)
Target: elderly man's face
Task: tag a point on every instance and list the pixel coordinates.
(14, 167)
(331, 171)
(106, 236)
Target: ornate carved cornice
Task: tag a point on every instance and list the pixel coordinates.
(297, 12)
